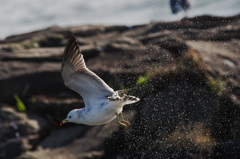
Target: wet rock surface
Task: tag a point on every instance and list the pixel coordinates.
(186, 74)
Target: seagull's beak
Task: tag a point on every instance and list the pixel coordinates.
(63, 122)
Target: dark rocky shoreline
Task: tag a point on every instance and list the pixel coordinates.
(186, 74)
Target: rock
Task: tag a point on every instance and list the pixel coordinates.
(54, 108)
(6, 149)
(23, 78)
(37, 55)
(171, 43)
(222, 64)
(189, 88)
(227, 149)
(18, 132)
(77, 142)
(177, 105)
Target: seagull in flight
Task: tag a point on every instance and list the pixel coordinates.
(102, 103)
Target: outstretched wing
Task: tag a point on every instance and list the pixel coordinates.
(79, 78)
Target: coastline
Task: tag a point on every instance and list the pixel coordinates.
(192, 87)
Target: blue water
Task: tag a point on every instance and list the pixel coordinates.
(19, 16)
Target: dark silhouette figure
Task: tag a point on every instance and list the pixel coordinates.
(179, 5)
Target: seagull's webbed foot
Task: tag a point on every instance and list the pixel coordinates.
(124, 123)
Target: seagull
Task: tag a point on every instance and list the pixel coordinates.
(102, 103)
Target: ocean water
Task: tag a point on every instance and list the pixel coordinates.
(19, 16)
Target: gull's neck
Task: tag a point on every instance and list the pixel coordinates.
(80, 115)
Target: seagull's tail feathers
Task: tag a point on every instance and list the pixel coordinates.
(124, 99)
(129, 99)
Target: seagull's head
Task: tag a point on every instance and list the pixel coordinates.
(73, 116)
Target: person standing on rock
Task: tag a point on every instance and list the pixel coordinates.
(180, 5)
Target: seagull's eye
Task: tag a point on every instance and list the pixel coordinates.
(69, 117)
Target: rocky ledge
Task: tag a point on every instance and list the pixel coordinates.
(186, 74)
